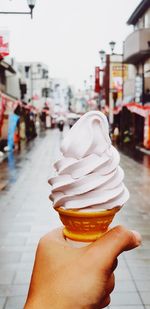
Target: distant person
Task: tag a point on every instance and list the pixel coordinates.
(43, 119)
(27, 124)
(71, 123)
(61, 125)
(33, 133)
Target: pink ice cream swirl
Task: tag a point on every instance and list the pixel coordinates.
(89, 177)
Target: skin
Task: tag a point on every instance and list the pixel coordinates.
(78, 278)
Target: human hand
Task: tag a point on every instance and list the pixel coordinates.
(77, 278)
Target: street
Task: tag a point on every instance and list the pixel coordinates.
(26, 214)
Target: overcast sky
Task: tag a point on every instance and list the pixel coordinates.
(67, 34)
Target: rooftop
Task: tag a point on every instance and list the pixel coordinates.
(139, 11)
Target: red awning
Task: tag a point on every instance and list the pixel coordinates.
(142, 110)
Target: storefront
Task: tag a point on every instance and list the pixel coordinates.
(135, 123)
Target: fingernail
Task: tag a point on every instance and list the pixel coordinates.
(138, 237)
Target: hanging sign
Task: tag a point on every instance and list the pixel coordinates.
(118, 74)
(2, 109)
(97, 81)
(138, 88)
(147, 132)
(4, 44)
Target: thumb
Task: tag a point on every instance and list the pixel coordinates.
(106, 249)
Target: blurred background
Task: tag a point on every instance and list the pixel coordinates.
(59, 60)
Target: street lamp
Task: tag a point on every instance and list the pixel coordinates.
(102, 55)
(112, 83)
(105, 87)
(112, 46)
(91, 81)
(31, 5)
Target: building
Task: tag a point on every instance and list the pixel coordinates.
(61, 93)
(35, 83)
(137, 86)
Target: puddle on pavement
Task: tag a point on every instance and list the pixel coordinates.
(12, 164)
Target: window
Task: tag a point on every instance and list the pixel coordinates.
(45, 74)
(141, 23)
(147, 19)
(27, 68)
(45, 92)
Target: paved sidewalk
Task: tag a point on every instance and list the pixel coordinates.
(25, 215)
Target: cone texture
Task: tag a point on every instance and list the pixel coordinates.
(86, 226)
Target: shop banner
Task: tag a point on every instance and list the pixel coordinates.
(2, 109)
(13, 118)
(97, 80)
(134, 107)
(147, 132)
(118, 74)
(4, 43)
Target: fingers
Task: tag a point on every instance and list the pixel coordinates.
(55, 235)
(105, 302)
(110, 285)
(108, 291)
(114, 266)
(117, 240)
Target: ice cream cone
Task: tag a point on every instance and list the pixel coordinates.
(86, 226)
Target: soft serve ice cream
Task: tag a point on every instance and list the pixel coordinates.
(89, 177)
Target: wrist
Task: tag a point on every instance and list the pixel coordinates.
(38, 303)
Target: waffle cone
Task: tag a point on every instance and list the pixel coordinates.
(86, 226)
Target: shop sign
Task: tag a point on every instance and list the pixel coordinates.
(2, 109)
(147, 132)
(138, 88)
(118, 74)
(97, 80)
(4, 43)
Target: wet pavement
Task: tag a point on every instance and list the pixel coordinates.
(25, 215)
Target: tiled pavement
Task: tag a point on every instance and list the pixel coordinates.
(25, 216)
